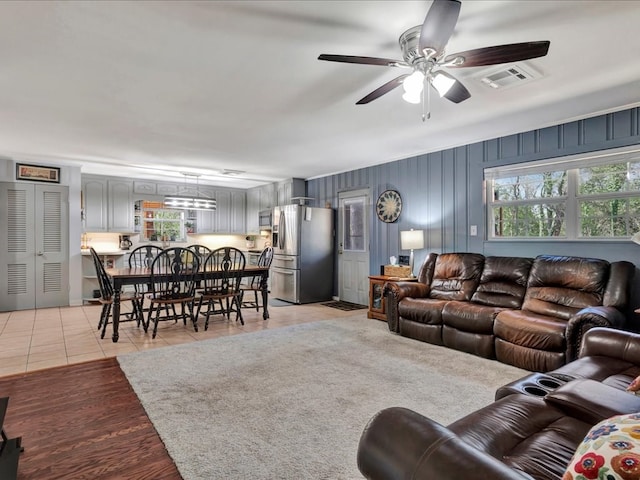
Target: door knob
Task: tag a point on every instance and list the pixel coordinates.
(40, 254)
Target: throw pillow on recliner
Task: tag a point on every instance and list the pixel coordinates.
(610, 451)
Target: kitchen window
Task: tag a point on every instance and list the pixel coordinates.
(573, 198)
(155, 223)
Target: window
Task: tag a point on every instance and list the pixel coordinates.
(156, 223)
(580, 197)
(354, 224)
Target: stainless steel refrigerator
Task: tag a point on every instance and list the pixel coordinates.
(302, 267)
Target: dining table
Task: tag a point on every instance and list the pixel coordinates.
(125, 276)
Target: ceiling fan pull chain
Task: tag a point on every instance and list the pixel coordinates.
(426, 116)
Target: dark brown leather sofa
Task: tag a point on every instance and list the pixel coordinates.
(531, 313)
(527, 433)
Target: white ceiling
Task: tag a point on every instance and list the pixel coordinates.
(151, 89)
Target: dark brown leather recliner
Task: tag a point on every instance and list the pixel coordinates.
(442, 278)
(565, 297)
(519, 436)
(468, 326)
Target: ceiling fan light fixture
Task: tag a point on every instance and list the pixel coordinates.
(442, 83)
(413, 84)
(414, 98)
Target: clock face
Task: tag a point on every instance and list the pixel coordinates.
(389, 206)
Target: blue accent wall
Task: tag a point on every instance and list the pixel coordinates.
(443, 191)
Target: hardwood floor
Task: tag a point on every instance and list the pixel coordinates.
(83, 420)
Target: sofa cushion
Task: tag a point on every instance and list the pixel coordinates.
(470, 317)
(503, 282)
(561, 286)
(611, 450)
(456, 276)
(531, 330)
(422, 310)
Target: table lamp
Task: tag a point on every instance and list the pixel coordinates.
(411, 240)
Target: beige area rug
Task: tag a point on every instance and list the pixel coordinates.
(291, 403)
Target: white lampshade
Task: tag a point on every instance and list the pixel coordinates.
(636, 238)
(442, 83)
(412, 239)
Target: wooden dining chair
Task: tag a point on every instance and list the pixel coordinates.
(201, 251)
(223, 270)
(107, 294)
(255, 283)
(172, 283)
(142, 257)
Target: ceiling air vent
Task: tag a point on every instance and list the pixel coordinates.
(232, 173)
(509, 76)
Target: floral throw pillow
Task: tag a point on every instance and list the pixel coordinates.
(610, 451)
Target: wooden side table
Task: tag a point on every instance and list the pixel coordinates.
(377, 302)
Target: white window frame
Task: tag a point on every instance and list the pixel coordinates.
(571, 164)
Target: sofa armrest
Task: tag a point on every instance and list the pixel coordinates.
(592, 401)
(401, 444)
(396, 291)
(609, 342)
(585, 320)
(400, 290)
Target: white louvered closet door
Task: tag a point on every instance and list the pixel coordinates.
(35, 252)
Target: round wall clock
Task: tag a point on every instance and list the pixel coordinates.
(389, 206)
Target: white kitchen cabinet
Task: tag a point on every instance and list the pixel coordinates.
(146, 188)
(288, 189)
(107, 204)
(120, 206)
(229, 216)
(94, 199)
(268, 196)
(237, 213)
(252, 209)
(206, 219)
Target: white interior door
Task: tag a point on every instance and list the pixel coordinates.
(35, 253)
(353, 246)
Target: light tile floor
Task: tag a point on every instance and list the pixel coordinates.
(36, 339)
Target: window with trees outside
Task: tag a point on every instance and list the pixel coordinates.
(156, 223)
(594, 196)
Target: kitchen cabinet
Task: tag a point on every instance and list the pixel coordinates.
(120, 206)
(146, 188)
(252, 209)
(258, 199)
(268, 196)
(107, 204)
(237, 213)
(289, 189)
(229, 216)
(94, 200)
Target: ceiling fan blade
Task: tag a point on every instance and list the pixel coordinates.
(452, 88)
(383, 62)
(512, 52)
(438, 25)
(386, 88)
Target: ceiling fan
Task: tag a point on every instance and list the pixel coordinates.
(423, 50)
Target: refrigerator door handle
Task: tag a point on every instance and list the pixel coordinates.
(282, 231)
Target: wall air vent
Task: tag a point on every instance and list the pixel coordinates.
(509, 76)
